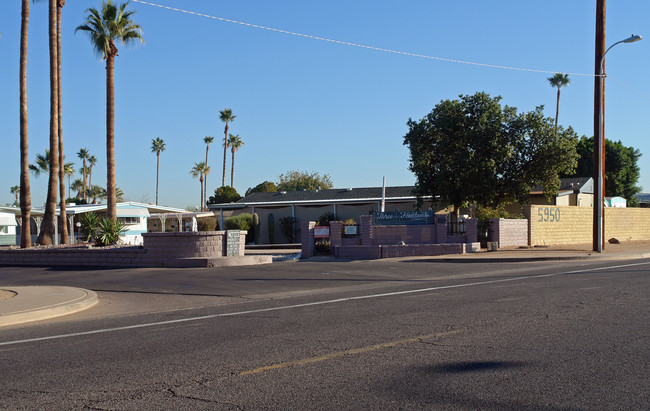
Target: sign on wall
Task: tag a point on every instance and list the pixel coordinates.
(321, 231)
(233, 237)
(403, 217)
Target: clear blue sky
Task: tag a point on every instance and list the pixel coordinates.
(305, 104)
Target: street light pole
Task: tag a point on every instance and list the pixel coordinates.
(599, 141)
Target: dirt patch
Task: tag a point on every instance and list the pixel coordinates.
(6, 294)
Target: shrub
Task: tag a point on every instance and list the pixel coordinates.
(484, 214)
(89, 226)
(286, 227)
(206, 224)
(323, 247)
(325, 219)
(239, 222)
(109, 232)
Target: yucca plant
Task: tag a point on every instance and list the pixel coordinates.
(89, 226)
(109, 232)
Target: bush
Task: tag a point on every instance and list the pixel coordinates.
(484, 214)
(224, 194)
(322, 247)
(109, 232)
(206, 224)
(286, 227)
(325, 219)
(239, 222)
(89, 226)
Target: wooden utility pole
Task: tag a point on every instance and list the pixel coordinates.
(599, 130)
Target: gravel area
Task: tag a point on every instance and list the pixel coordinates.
(6, 294)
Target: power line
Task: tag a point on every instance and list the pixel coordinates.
(626, 87)
(404, 53)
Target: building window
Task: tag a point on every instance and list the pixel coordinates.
(129, 220)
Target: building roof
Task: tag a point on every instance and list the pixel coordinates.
(316, 197)
(125, 209)
(570, 186)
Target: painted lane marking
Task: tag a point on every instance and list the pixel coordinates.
(339, 354)
(312, 304)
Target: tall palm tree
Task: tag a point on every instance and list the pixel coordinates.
(157, 146)
(41, 164)
(15, 190)
(62, 211)
(199, 171)
(68, 169)
(234, 142)
(46, 235)
(25, 191)
(83, 155)
(207, 140)
(92, 160)
(558, 80)
(226, 116)
(105, 27)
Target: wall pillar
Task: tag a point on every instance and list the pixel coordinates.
(307, 238)
(441, 228)
(365, 229)
(471, 230)
(336, 233)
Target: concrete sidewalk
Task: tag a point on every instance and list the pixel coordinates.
(26, 304)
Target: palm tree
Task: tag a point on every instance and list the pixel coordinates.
(78, 186)
(92, 160)
(207, 140)
(226, 116)
(25, 192)
(46, 236)
(83, 155)
(96, 192)
(200, 170)
(104, 28)
(157, 146)
(234, 142)
(41, 164)
(558, 80)
(15, 190)
(68, 169)
(62, 211)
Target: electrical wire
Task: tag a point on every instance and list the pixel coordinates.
(609, 77)
(404, 53)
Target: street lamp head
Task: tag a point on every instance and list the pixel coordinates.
(632, 38)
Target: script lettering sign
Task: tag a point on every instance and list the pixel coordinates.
(403, 217)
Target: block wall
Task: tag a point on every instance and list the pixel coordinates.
(509, 232)
(574, 225)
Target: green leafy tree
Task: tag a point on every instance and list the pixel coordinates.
(263, 187)
(622, 171)
(226, 116)
(224, 194)
(105, 27)
(472, 150)
(158, 146)
(558, 80)
(235, 143)
(303, 180)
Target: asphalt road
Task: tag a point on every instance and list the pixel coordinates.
(409, 334)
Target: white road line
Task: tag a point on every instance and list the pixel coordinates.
(289, 307)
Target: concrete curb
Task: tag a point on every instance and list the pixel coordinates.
(53, 301)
